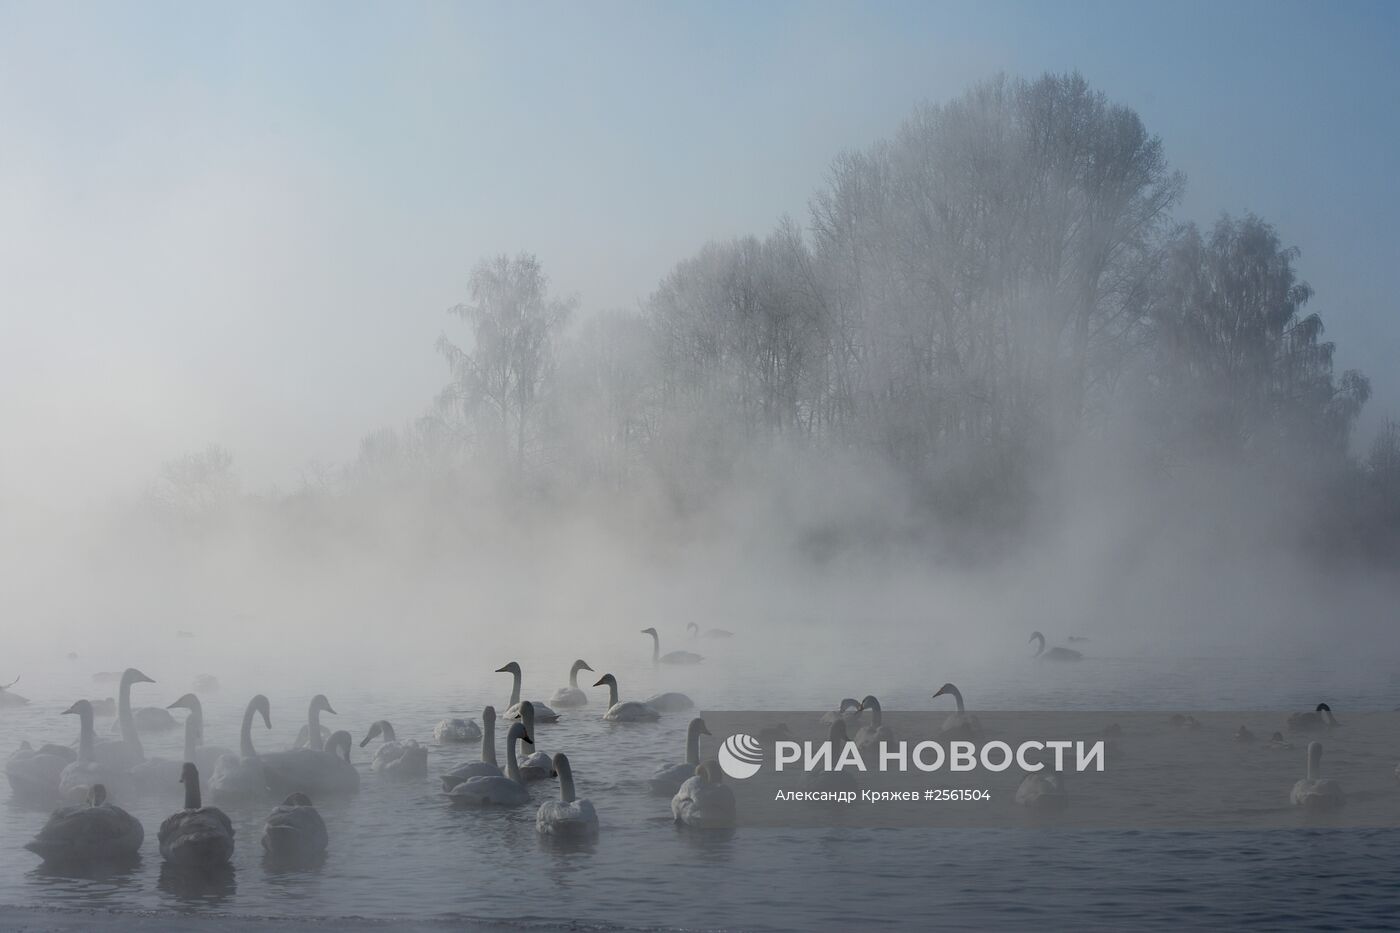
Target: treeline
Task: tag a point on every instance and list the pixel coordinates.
(999, 283)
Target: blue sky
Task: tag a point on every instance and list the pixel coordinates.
(243, 223)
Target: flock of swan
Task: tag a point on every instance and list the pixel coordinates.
(88, 780)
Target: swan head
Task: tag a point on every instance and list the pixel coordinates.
(80, 708)
(97, 795)
(849, 703)
(870, 703)
(319, 704)
(189, 774)
(697, 725)
(651, 632)
(488, 714)
(607, 680)
(189, 701)
(297, 800)
(260, 704)
(582, 665)
(946, 689)
(376, 729)
(132, 676)
(1323, 708)
(519, 731)
(512, 668)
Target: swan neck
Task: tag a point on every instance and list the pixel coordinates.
(514, 688)
(87, 736)
(692, 745)
(612, 693)
(388, 733)
(488, 740)
(655, 648)
(313, 730)
(512, 766)
(191, 737)
(245, 735)
(125, 719)
(958, 698)
(192, 800)
(566, 782)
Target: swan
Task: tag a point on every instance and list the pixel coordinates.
(667, 779)
(703, 801)
(151, 719)
(542, 712)
(1278, 741)
(125, 753)
(487, 766)
(495, 790)
(397, 759)
(313, 733)
(841, 780)
(303, 739)
(1314, 792)
(294, 832)
(339, 745)
(1319, 720)
(568, 816)
(241, 776)
(198, 837)
(670, 657)
(670, 702)
(1042, 791)
(33, 774)
(95, 831)
(536, 766)
(76, 780)
(310, 771)
(868, 738)
(850, 718)
(204, 756)
(695, 632)
(1244, 736)
(631, 711)
(11, 699)
(571, 695)
(456, 732)
(960, 724)
(1054, 654)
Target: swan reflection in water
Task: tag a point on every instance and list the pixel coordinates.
(208, 886)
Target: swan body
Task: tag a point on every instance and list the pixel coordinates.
(1042, 791)
(125, 753)
(670, 657)
(568, 816)
(536, 766)
(670, 702)
(572, 695)
(242, 777)
(76, 780)
(1053, 654)
(695, 632)
(1314, 792)
(667, 779)
(960, 724)
(703, 801)
(197, 837)
(33, 774)
(542, 712)
(294, 832)
(869, 737)
(91, 832)
(487, 766)
(311, 770)
(1319, 720)
(150, 719)
(456, 732)
(631, 711)
(405, 759)
(496, 790)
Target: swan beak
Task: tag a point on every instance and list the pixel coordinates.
(72, 710)
(601, 681)
(705, 730)
(331, 711)
(938, 694)
(587, 668)
(141, 678)
(365, 740)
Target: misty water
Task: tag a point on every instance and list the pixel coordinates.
(400, 850)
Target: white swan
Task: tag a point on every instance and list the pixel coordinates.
(33, 774)
(695, 632)
(1314, 792)
(1319, 720)
(76, 780)
(405, 759)
(11, 699)
(869, 737)
(197, 837)
(670, 702)
(241, 776)
(536, 766)
(631, 711)
(91, 832)
(670, 657)
(295, 833)
(125, 753)
(542, 712)
(1042, 790)
(205, 757)
(703, 801)
(667, 779)
(495, 790)
(313, 735)
(487, 766)
(571, 695)
(961, 724)
(339, 745)
(303, 739)
(848, 711)
(1054, 654)
(306, 770)
(568, 816)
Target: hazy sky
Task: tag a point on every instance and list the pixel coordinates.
(244, 225)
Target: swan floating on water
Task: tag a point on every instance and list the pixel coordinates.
(1056, 653)
(324, 772)
(1318, 720)
(33, 774)
(703, 801)
(495, 790)
(630, 711)
(205, 757)
(542, 712)
(572, 695)
(77, 779)
(536, 766)
(670, 702)
(125, 753)
(456, 732)
(313, 732)
(1042, 790)
(1314, 792)
(11, 699)
(339, 745)
(695, 632)
(405, 759)
(89, 833)
(667, 779)
(869, 737)
(960, 724)
(295, 833)
(197, 838)
(487, 766)
(568, 816)
(670, 657)
(241, 776)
